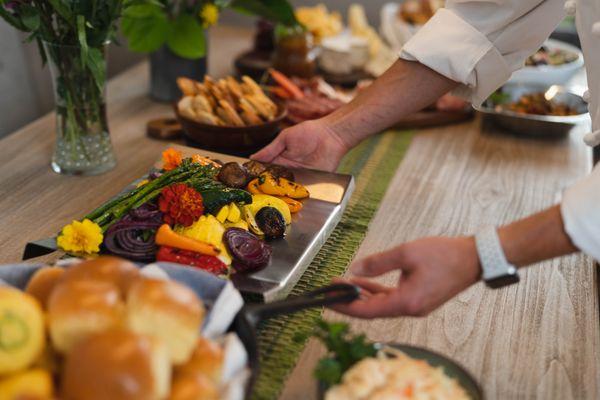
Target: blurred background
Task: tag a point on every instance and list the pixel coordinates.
(25, 87)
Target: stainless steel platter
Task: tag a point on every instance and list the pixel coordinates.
(310, 228)
(537, 125)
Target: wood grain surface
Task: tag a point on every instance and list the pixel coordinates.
(534, 340)
(538, 339)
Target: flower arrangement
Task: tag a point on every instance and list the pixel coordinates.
(71, 36)
(180, 24)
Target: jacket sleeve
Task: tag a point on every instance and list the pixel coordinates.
(580, 211)
(481, 43)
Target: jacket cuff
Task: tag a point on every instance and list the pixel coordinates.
(452, 47)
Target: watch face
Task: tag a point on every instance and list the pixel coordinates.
(502, 281)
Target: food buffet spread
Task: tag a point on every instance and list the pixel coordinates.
(75, 329)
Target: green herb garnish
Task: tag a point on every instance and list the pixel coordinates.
(344, 350)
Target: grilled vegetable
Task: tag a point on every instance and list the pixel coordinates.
(249, 252)
(233, 175)
(208, 263)
(167, 237)
(253, 187)
(214, 199)
(223, 213)
(252, 225)
(234, 213)
(279, 171)
(268, 184)
(133, 236)
(293, 205)
(254, 168)
(264, 200)
(271, 222)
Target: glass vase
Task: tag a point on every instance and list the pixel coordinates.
(83, 145)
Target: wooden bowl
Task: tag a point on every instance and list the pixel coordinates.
(231, 139)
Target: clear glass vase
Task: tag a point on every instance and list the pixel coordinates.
(83, 145)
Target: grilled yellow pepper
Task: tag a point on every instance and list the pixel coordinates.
(268, 184)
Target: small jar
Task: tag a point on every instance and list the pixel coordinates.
(295, 53)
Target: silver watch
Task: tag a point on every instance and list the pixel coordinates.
(496, 271)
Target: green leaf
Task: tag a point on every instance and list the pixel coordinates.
(145, 28)
(30, 17)
(81, 37)
(186, 37)
(63, 9)
(97, 66)
(328, 371)
(142, 11)
(275, 10)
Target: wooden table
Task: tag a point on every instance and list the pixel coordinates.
(538, 339)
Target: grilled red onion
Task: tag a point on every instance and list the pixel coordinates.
(248, 251)
(132, 236)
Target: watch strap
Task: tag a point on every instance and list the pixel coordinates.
(496, 270)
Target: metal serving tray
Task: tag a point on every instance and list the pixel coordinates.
(537, 125)
(329, 195)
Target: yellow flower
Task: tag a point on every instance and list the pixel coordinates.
(209, 15)
(80, 237)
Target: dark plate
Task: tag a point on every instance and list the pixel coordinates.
(451, 369)
(231, 139)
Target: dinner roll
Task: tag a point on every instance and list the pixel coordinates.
(105, 268)
(207, 359)
(117, 365)
(21, 330)
(193, 386)
(42, 283)
(34, 384)
(77, 309)
(168, 310)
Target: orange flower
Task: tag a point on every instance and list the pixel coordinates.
(171, 159)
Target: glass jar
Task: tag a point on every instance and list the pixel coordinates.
(295, 53)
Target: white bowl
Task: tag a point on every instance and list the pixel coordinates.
(550, 74)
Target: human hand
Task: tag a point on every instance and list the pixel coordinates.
(433, 270)
(311, 144)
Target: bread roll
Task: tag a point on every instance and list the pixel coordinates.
(206, 359)
(168, 310)
(21, 330)
(117, 365)
(193, 386)
(35, 384)
(105, 268)
(77, 309)
(40, 285)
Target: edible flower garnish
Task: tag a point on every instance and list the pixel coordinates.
(80, 237)
(171, 159)
(209, 15)
(180, 204)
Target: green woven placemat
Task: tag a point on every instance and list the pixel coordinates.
(373, 164)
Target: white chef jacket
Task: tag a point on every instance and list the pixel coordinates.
(480, 43)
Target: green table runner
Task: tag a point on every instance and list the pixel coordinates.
(373, 164)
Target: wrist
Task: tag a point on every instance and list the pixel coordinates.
(342, 141)
(338, 124)
(472, 264)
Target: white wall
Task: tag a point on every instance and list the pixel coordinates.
(25, 85)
